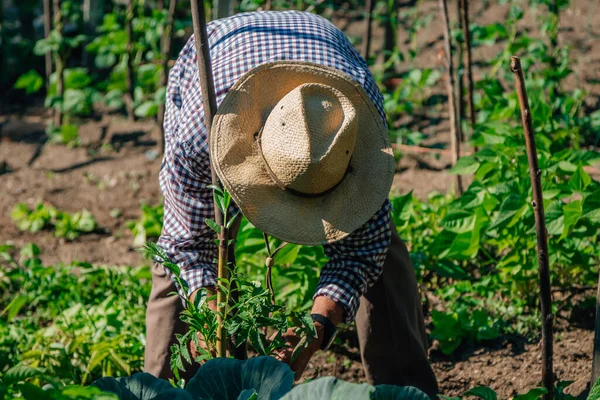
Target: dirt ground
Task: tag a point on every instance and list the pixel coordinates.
(117, 167)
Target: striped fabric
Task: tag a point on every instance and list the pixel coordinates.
(238, 44)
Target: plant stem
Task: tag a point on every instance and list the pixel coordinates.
(210, 108)
(540, 227)
(60, 66)
(366, 41)
(468, 62)
(454, 126)
(129, 74)
(164, 77)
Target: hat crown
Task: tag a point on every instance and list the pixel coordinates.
(309, 137)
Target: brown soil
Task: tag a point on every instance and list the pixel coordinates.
(508, 367)
(116, 169)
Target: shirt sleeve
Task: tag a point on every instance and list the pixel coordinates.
(184, 181)
(185, 237)
(356, 262)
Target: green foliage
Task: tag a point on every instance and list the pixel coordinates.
(42, 216)
(141, 386)
(74, 336)
(79, 94)
(247, 318)
(332, 388)
(256, 378)
(66, 134)
(30, 81)
(148, 226)
(110, 50)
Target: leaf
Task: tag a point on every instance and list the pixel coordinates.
(14, 307)
(555, 220)
(392, 392)
(146, 110)
(213, 225)
(483, 392)
(31, 81)
(141, 386)
(458, 221)
(330, 388)
(533, 394)
(20, 373)
(572, 213)
(465, 165)
(33, 392)
(222, 379)
(402, 207)
(511, 209)
(580, 180)
(248, 394)
(591, 207)
(595, 391)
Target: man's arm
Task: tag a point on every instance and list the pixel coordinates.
(185, 237)
(355, 263)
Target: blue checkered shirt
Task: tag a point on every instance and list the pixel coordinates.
(238, 44)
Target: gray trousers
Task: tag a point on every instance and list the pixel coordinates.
(389, 322)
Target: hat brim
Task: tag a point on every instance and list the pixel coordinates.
(309, 221)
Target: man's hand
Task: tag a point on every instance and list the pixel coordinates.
(324, 306)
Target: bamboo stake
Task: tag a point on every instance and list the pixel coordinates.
(366, 44)
(164, 77)
(47, 29)
(454, 127)
(210, 108)
(129, 85)
(468, 61)
(60, 66)
(540, 227)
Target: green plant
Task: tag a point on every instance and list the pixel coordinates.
(66, 225)
(149, 226)
(76, 322)
(247, 318)
(256, 378)
(110, 50)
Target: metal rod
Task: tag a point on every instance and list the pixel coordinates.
(540, 228)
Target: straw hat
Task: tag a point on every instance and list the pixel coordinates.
(303, 152)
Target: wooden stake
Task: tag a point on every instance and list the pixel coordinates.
(59, 60)
(129, 79)
(454, 127)
(468, 62)
(164, 77)
(209, 102)
(47, 29)
(596, 359)
(366, 44)
(540, 227)
(460, 75)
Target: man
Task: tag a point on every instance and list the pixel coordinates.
(300, 142)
